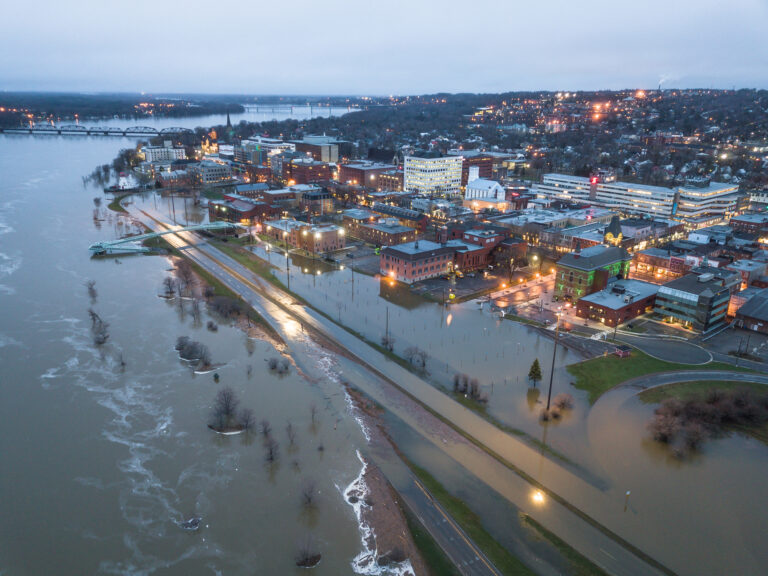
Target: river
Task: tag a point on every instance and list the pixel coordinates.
(100, 465)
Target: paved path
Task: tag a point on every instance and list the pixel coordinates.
(515, 464)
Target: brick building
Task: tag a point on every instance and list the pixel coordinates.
(305, 171)
(619, 302)
(363, 174)
(586, 271)
(391, 180)
(405, 216)
(415, 261)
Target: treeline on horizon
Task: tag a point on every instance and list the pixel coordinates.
(68, 106)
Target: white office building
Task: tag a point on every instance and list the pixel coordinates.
(432, 176)
(693, 200)
(166, 153)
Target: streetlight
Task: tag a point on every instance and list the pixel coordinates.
(554, 352)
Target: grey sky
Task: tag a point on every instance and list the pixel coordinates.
(382, 47)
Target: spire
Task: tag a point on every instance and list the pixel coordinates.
(229, 122)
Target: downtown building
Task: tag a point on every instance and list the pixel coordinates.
(432, 176)
(698, 198)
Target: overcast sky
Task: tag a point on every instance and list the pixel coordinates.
(381, 47)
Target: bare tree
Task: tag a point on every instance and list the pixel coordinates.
(169, 286)
(99, 328)
(185, 274)
(196, 310)
(308, 493)
(307, 556)
(91, 286)
(247, 419)
(416, 355)
(272, 450)
(313, 411)
(266, 429)
(97, 201)
(291, 431)
(226, 402)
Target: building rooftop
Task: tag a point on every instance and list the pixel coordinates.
(358, 214)
(369, 166)
(617, 294)
(760, 218)
(482, 184)
(594, 257)
(756, 307)
(419, 248)
(691, 286)
(253, 187)
(746, 265)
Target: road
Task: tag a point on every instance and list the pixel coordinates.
(507, 465)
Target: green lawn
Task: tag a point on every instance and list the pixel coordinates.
(471, 524)
(235, 251)
(115, 205)
(695, 390)
(599, 375)
(437, 562)
(579, 565)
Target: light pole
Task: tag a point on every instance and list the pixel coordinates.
(554, 352)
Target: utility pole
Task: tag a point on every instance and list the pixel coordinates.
(554, 352)
(287, 270)
(386, 331)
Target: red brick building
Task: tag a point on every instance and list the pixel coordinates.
(483, 162)
(619, 302)
(305, 171)
(416, 261)
(391, 180)
(363, 173)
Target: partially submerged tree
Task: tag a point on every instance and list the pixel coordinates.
(534, 374)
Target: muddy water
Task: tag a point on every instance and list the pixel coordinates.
(99, 466)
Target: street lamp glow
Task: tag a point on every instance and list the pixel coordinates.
(538, 497)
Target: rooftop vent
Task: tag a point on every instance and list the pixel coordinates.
(706, 277)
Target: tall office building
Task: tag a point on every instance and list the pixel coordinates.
(697, 198)
(433, 176)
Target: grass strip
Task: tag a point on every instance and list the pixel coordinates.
(599, 375)
(116, 206)
(580, 565)
(472, 525)
(438, 564)
(696, 390)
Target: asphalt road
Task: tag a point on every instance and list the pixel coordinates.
(288, 317)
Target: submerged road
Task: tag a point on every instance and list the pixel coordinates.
(572, 508)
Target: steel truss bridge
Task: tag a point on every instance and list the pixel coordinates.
(132, 244)
(77, 129)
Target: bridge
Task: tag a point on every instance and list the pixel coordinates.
(80, 130)
(132, 244)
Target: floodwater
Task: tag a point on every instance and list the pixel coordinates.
(100, 465)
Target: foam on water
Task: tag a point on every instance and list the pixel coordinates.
(365, 562)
